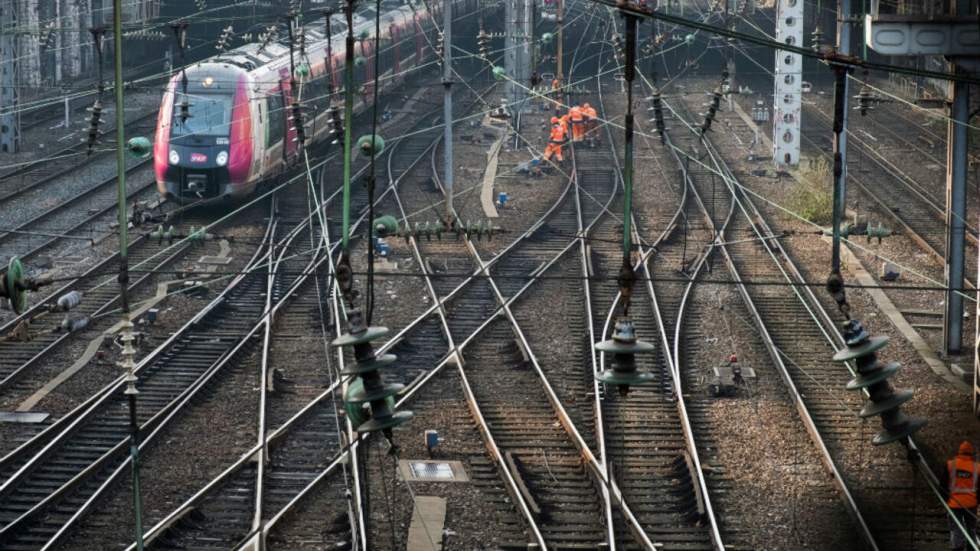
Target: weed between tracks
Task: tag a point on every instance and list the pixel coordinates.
(811, 196)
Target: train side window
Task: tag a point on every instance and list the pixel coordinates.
(277, 119)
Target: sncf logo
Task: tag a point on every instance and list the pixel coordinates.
(199, 158)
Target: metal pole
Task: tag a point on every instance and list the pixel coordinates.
(120, 155)
(9, 118)
(447, 109)
(840, 134)
(559, 62)
(629, 73)
(348, 115)
(127, 332)
(956, 161)
(956, 166)
(840, 188)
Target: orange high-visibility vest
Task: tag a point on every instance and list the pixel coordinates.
(575, 113)
(557, 134)
(963, 474)
(591, 113)
(563, 120)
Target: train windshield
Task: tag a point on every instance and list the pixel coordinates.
(209, 115)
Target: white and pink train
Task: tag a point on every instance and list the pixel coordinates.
(239, 130)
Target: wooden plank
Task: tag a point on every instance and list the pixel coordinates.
(428, 520)
(532, 504)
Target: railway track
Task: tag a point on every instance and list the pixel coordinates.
(217, 515)
(75, 217)
(647, 448)
(294, 442)
(917, 212)
(100, 295)
(28, 521)
(46, 488)
(58, 177)
(801, 338)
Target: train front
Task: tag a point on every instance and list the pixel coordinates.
(203, 146)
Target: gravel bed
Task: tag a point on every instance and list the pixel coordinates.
(528, 198)
(474, 515)
(753, 444)
(175, 311)
(44, 140)
(948, 425)
(204, 440)
(766, 450)
(918, 267)
(70, 220)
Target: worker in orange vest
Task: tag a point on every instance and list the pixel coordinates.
(591, 122)
(961, 477)
(565, 124)
(557, 138)
(578, 122)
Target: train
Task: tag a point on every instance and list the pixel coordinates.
(235, 131)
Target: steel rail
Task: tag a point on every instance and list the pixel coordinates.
(456, 353)
(31, 224)
(96, 402)
(822, 319)
(816, 437)
(585, 265)
(233, 355)
(648, 251)
(7, 326)
(256, 531)
(8, 380)
(73, 149)
(450, 358)
(99, 404)
(939, 211)
(103, 267)
(568, 424)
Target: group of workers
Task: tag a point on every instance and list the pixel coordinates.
(582, 120)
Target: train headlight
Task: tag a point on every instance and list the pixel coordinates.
(174, 157)
(222, 158)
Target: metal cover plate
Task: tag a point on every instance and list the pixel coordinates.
(419, 470)
(27, 417)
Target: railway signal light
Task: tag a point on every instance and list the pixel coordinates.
(873, 377)
(624, 346)
(369, 402)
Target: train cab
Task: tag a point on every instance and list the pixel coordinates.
(203, 146)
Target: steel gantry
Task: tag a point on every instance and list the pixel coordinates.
(788, 85)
